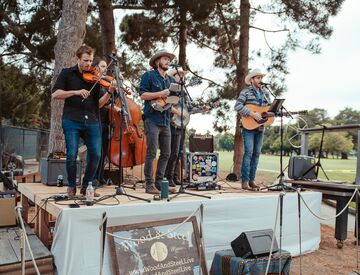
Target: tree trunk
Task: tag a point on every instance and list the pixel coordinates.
(182, 37)
(107, 27)
(241, 71)
(70, 37)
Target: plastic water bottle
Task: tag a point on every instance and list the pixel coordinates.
(90, 194)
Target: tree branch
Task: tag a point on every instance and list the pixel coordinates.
(204, 78)
(265, 30)
(130, 7)
(233, 52)
(201, 43)
(267, 12)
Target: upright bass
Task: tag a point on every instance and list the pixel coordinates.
(127, 128)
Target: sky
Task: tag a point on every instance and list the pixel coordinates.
(327, 80)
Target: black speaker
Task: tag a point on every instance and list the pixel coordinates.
(301, 167)
(201, 143)
(50, 169)
(254, 243)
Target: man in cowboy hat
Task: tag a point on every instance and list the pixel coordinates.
(253, 94)
(155, 84)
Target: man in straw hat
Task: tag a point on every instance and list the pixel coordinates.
(253, 94)
(155, 84)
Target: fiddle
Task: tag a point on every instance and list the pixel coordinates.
(95, 76)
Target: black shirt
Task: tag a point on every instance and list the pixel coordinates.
(75, 108)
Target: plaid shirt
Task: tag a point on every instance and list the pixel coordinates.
(249, 95)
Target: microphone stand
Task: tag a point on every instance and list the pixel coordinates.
(183, 93)
(124, 118)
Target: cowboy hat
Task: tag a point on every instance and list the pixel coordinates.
(173, 72)
(252, 74)
(159, 54)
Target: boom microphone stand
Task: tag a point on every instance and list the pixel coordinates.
(124, 119)
(183, 94)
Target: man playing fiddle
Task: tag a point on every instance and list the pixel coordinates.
(155, 84)
(80, 116)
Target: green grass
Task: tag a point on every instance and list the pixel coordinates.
(269, 165)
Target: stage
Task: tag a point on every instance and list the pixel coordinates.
(229, 212)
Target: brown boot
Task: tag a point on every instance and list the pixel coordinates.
(245, 186)
(172, 190)
(151, 189)
(254, 186)
(71, 191)
(83, 192)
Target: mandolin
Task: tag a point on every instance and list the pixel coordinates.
(249, 123)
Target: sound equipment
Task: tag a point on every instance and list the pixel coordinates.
(299, 165)
(7, 208)
(201, 143)
(50, 169)
(201, 168)
(254, 243)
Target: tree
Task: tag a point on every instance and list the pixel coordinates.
(70, 37)
(226, 142)
(348, 116)
(317, 117)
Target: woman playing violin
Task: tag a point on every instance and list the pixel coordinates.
(80, 116)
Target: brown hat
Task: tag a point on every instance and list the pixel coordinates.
(252, 74)
(159, 54)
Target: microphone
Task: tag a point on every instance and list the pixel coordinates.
(265, 84)
(174, 65)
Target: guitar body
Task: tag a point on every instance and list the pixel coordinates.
(249, 123)
(164, 103)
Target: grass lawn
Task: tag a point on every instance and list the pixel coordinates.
(269, 167)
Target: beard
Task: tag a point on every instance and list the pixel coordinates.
(164, 67)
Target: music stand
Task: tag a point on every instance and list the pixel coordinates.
(183, 94)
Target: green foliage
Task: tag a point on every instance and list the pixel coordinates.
(226, 142)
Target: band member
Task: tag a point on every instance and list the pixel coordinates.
(80, 116)
(172, 168)
(253, 94)
(155, 84)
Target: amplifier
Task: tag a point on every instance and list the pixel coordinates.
(7, 208)
(50, 169)
(302, 167)
(201, 143)
(201, 167)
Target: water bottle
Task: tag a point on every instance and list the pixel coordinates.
(90, 194)
(60, 181)
(164, 188)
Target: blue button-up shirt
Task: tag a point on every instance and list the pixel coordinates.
(152, 82)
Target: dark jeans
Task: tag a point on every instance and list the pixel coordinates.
(104, 150)
(90, 133)
(252, 149)
(156, 136)
(172, 169)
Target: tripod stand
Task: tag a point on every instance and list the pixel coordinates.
(183, 95)
(124, 119)
(318, 163)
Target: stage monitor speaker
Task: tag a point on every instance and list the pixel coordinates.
(7, 208)
(302, 167)
(254, 243)
(50, 169)
(201, 143)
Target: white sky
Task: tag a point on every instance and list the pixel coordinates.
(327, 80)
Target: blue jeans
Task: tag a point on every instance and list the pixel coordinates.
(156, 136)
(252, 149)
(90, 133)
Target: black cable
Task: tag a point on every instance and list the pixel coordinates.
(40, 206)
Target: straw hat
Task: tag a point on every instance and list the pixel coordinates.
(252, 74)
(173, 72)
(159, 54)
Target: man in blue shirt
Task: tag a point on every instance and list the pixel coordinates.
(253, 94)
(155, 84)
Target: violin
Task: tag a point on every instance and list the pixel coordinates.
(94, 76)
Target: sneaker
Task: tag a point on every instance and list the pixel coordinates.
(83, 192)
(71, 191)
(176, 181)
(151, 189)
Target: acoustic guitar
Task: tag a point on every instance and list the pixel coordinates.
(249, 123)
(164, 103)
